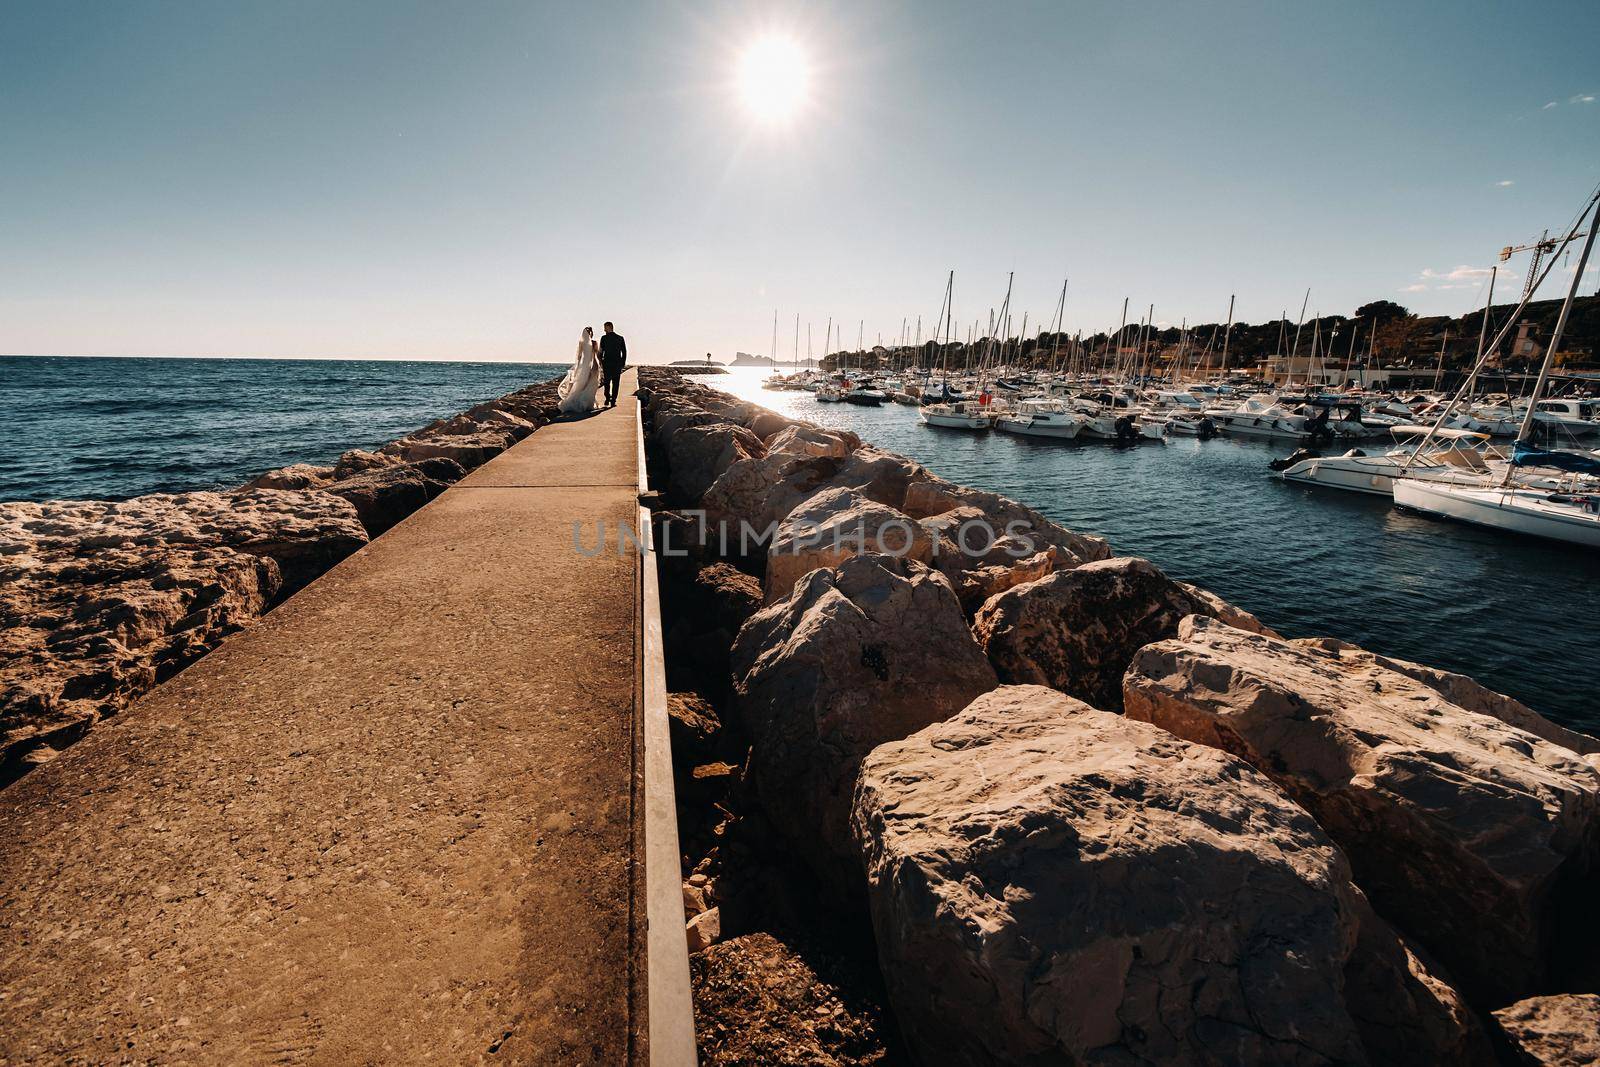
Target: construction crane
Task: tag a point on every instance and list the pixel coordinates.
(1540, 248)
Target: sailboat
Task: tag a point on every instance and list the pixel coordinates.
(1571, 517)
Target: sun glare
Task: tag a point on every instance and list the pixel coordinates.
(774, 78)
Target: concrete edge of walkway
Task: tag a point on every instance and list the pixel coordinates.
(670, 1002)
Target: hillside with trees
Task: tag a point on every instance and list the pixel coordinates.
(1392, 335)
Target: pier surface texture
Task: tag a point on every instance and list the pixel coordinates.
(392, 822)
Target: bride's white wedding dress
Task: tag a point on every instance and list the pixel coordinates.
(583, 378)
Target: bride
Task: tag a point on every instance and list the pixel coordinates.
(577, 388)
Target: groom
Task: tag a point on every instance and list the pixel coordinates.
(613, 357)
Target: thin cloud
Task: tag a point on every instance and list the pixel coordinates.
(1551, 104)
(1581, 98)
(1508, 183)
(1462, 277)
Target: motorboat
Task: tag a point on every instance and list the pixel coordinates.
(865, 396)
(1041, 417)
(959, 415)
(1457, 455)
(1261, 416)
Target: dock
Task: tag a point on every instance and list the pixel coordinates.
(404, 818)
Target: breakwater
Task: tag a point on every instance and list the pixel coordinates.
(986, 791)
(102, 600)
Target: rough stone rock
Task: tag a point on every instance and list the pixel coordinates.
(759, 1002)
(358, 460)
(1076, 630)
(881, 476)
(1213, 605)
(670, 414)
(865, 653)
(766, 424)
(803, 439)
(297, 476)
(693, 726)
(495, 416)
(468, 449)
(703, 609)
(1553, 1031)
(930, 495)
(1460, 690)
(1054, 884)
(1477, 838)
(982, 562)
(383, 496)
(832, 526)
(762, 491)
(1403, 1007)
(698, 455)
(704, 930)
(101, 600)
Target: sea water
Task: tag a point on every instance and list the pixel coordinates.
(93, 428)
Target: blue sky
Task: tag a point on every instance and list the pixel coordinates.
(480, 180)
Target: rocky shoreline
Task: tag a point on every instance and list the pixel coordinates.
(102, 600)
(1054, 806)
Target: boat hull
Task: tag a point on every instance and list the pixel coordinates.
(957, 422)
(1517, 512)
(1061, 431)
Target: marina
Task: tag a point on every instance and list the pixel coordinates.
(1317, 561)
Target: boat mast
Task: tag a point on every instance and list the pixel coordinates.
(1226, 333)
(1483, 333)
(1438, 374)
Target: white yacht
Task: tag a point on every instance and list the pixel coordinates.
(959, 415)
(1041, 417)
(1570, 517)
(1261, 416)
(1455, 457)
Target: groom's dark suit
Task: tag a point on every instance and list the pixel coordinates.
(613, 357)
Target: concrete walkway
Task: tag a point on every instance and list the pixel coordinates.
(393, 822)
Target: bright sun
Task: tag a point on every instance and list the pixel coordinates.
(774, 78)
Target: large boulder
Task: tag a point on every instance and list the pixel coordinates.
(1050, 883)
(472, 449)
(767, 424)
(1458, 689)
(759, 492)
(881, 476)
(868, 652)
(383, 496)
(295, 476)
(704, 607)
(1553, 1031)
(982, 562)
(698, 455)
(832, 526)
(929, 495)
(804, 439)
(1454, 820)
(1076, 630)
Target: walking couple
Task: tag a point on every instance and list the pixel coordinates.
(597, 361)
